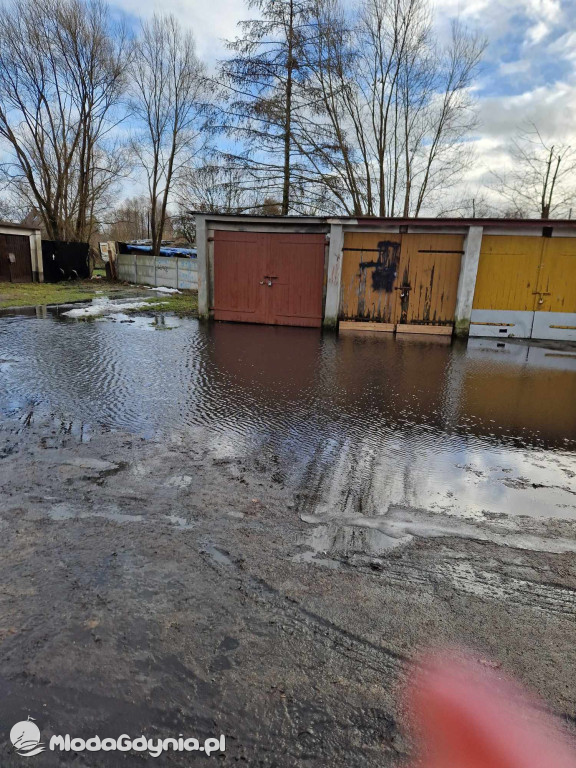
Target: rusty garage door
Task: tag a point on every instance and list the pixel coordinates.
(526, 287)
(15, 259)
(401, 280)
(274, 279)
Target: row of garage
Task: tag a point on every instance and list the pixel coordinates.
(485, 277)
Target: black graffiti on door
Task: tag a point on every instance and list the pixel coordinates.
(385, 268)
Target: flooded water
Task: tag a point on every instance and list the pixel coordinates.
(357, 424)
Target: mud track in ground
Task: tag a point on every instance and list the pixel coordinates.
(158, 587)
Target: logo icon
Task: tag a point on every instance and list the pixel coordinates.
(25, 738)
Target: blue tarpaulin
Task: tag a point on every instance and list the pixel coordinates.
(189, 253)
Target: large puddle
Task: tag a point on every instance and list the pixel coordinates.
(360, 425)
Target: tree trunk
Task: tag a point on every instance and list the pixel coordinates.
(288, 115)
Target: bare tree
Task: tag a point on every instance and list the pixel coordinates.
(542, 178)
(212, 186)
(216, 184)
(388, 107)
(61, 77)
(167, 91)
(128, 221)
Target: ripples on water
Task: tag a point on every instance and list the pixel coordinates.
(356, 420)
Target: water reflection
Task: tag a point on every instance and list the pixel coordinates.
(358, 423)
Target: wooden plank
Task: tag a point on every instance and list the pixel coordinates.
(351, 325)
(433, 330)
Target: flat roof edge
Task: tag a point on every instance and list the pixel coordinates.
(11, 225)
(390, 221)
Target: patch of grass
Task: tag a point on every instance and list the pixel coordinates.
(183, 304)
(34, 294)
(37, 294)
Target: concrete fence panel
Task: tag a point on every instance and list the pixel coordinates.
(126, 267)
(170, 272)
(187, 274)
(145, 270)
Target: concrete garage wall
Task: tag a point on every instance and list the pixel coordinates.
(170, 272)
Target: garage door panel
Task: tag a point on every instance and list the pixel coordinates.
(526, 287)
(369, 276)
(274, 279)
(297, 268)
(557, 283)
(394, 278)
(238, 267)
(428, 278)
(508, 273)
(15, 259)
(234, 286)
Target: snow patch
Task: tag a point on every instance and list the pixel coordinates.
(162, 289)
(99, 308)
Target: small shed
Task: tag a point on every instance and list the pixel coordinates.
(20, 254)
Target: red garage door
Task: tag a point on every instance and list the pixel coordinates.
(274, 279)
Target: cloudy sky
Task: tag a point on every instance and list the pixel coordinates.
(528, 73)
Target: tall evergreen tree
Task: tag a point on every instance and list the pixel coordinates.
(260, 81)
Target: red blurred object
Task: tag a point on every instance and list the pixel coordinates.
(467, 715)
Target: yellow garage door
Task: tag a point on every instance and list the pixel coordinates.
(526, 287)
(508, 273)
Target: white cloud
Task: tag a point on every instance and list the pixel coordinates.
(211, 21)
(564, 47)
(552, 108)
(514, 67)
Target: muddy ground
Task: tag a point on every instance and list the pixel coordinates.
(159, 584)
